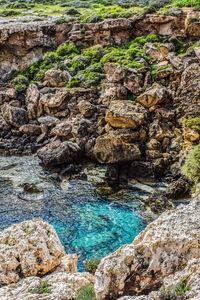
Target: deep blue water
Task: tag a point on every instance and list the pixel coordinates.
(87, 221)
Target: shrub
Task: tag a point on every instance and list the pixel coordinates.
(67, 49)
(20, 82)
(91, 265)
(192, 122)
(191, 167)
(43, 288)
(86, 293)
(175, 292)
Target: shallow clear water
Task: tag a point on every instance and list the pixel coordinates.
(88, 222)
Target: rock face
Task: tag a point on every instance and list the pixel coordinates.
(57, 153)
(164, 254)
(113, 148)
(125, 114)
(14, 116)
(58, 285)
(153, 96)
(23, 44)
(30, 248)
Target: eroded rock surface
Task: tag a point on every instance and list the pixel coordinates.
(159, 257)
(30, 248)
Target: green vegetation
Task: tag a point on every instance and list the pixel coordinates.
(86, 64)
(176, 292)
(86, 293)
(43, 288)
(192, 122)
(91, 10)
(20, 82)
(91, 265)
(191, 168)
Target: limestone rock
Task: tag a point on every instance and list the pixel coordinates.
(30, 129)
(125, 114)
(153, 96)
(14, 116)
(56, 78)
(30, 248)
(48, 121)
(133, 82)
(191, 135)
(112, 91)
(86, 108)
(55, 98)
(34, 107)
(59, 285)
(111, 148)
(192, 24)
(62, 129)
(57, 153)
(158, 51)
(114, 72)
(166, 247)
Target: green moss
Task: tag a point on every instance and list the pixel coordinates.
(191, 167)
(43, 288)
(156, 69)
(91, 265)
(192, 122)
(20, 82)
(86, 293)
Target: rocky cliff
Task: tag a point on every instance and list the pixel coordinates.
(24, 43)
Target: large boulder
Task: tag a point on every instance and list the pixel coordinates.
(14, 116)
(59, 285)
(125, 114)
(57, 153)
(160, 254)
(153, 96)
(192, 24)
(31, 248)
(113, 148)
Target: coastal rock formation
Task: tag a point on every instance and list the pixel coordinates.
(30, 248)
(23, 44)
(56, 153)
(58, 285)
(125, 114)
(165, 254)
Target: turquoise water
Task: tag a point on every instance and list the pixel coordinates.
(88, 222)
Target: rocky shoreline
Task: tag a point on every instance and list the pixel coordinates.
(162, 262)
(124, 93)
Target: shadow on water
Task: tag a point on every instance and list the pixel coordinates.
(87, 222)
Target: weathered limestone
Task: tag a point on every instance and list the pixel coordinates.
(31, 248)
(59, 285)
(112, 148)
(57, 153)
(153, 96)
(163, 251)
(14, 116)
(125, 114)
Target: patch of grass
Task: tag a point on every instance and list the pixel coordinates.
(86, 293)
(43, 288)
(91, 265)
(191, 167)
(176, 292)
(192, 122)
